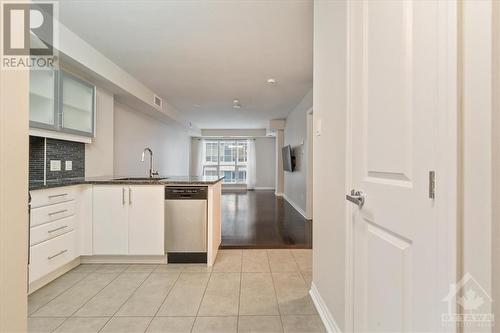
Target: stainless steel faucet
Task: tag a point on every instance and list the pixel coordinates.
(152, 171)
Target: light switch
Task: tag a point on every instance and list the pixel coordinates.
(55, 165)
(68, 165)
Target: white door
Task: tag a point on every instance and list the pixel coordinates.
(146, 220)
(110, 220)
(394, 103)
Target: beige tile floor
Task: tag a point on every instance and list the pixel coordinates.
(246, 291)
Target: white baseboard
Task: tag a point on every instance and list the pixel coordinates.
(325, 315)
(123, 259)
(231, 187)
(294, 205)
(264, 188)
(278, 194)
(44, 280)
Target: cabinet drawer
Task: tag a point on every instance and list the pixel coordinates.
(52, 254)
(50, 213)
(50, 230)
(40, 198)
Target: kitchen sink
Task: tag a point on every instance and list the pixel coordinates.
(141, 178)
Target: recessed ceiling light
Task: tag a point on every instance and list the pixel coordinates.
(271, 80)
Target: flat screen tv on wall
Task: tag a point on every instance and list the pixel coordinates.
(288, 158)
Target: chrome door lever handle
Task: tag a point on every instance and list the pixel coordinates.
(357, 197)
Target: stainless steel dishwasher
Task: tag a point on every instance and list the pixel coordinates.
(186, 224)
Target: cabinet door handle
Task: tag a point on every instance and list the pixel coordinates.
(129, 196)
(123, 196)
(57, 229)
(57, 254)
(58, 212)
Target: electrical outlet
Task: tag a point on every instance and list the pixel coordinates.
(55, 165)
(68, 165)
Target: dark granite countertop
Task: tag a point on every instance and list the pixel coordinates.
(128, 180)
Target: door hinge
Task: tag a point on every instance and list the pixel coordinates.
(432, 184)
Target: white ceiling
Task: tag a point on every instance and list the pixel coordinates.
(200, 55)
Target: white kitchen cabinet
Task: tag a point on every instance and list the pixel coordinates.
(59, 221)
(43, 109)
(110, 220)
(128, 220)
(77, 105)
(50, 255)
(51, 213)
(51, 196)
(46, 231)
(84, 212)
(62, 102)
(146, 221)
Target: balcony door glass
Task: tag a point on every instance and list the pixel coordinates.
(226, 158)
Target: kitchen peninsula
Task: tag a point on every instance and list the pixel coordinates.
(109, 220)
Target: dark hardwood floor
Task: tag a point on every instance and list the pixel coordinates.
(259, 219)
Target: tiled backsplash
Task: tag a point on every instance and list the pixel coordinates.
(42, 149)
(37, 151)
(65, 151)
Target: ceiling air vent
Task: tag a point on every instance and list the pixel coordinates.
(158, 101)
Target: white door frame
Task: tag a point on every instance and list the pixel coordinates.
(496, 159)
(448, 146)
(349, 261)
(309, 171)
(447, 166)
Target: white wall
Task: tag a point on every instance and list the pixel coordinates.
(128, 131)
(194, 156)
(329, 216)
(265, 162)
(279, 174)
(277, 127)
(133, 131)
(496, 160)
(295, 183)
(99, 153)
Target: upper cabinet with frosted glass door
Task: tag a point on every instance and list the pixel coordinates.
(43, 97)
(77, 105)
(61, 102)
